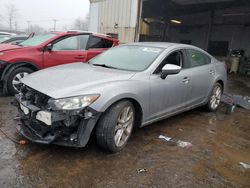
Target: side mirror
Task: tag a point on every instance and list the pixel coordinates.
(49, 47)
(17, 42)
(169, 69)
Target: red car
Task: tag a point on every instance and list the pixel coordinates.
(47, 50)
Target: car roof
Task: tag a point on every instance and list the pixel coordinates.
(160, 44)
(6, 33)
(83, 32)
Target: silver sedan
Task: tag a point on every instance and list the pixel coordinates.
(127, 86)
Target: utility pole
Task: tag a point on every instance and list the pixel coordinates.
(54, 20)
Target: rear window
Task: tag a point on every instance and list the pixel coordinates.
(197, 58)
(97, 42)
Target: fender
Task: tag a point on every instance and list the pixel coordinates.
(13, 66)
(139, 105)
(218, 79)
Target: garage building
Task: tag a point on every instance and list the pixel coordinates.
(219, 26)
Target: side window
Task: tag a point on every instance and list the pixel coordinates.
(175, 58)
(70, 43)
(197, 58)
(96, 42)
(108, 43)
(83, 40)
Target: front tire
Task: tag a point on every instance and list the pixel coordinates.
(215, 98)
(13, 81)
(115, 126)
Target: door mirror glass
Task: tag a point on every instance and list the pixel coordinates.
(169, 69)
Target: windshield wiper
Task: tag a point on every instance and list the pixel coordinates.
(104, 65)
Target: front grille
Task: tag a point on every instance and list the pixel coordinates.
(34, 97)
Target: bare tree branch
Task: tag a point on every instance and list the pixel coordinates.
(35, 28)
(12, 15)
(81, 24)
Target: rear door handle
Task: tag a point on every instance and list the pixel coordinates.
(185, 80)
(212, 72)
(80, 57)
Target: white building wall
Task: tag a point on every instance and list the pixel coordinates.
(93, 17)
(115, 16)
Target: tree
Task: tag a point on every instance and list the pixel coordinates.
(35, 28)
(81, 23)
(12, 15)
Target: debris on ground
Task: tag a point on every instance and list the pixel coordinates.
(228, 102)
(231, 101)
(242, 101)
(244, 165)
(211, 131)
(17, 118)
(179, 143)
(141, 170)
(21, 142)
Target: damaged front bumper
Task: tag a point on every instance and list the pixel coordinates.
(67, 128)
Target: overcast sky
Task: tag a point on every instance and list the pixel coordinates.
(42, 12)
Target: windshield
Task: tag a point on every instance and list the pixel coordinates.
(132, 58)
(37, 40)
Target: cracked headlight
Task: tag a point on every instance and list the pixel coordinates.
(73, 103)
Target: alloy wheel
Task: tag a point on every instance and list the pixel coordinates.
(216, 97)
(16, 82)
(124, 126)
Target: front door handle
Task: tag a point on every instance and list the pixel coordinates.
(185, 80)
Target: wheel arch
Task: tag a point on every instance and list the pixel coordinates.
(221, 83)
(7, 71)
(136, 104)
(13, 66)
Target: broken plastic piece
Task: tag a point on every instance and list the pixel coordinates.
(142, 170)
(177, 142)
(22, 142)
(244, 165)
(17, 118)
(229, 102)
(165, 138)
(184, 144)
(242, 101)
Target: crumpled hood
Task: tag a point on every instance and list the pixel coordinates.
(6, 47)
(73, 79)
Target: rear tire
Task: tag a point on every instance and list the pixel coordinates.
(115, 126)
(215, 97)
(13, 82)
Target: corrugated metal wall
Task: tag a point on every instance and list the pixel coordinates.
(118, 17)
(93, 17)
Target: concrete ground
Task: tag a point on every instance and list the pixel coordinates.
(220, 143)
